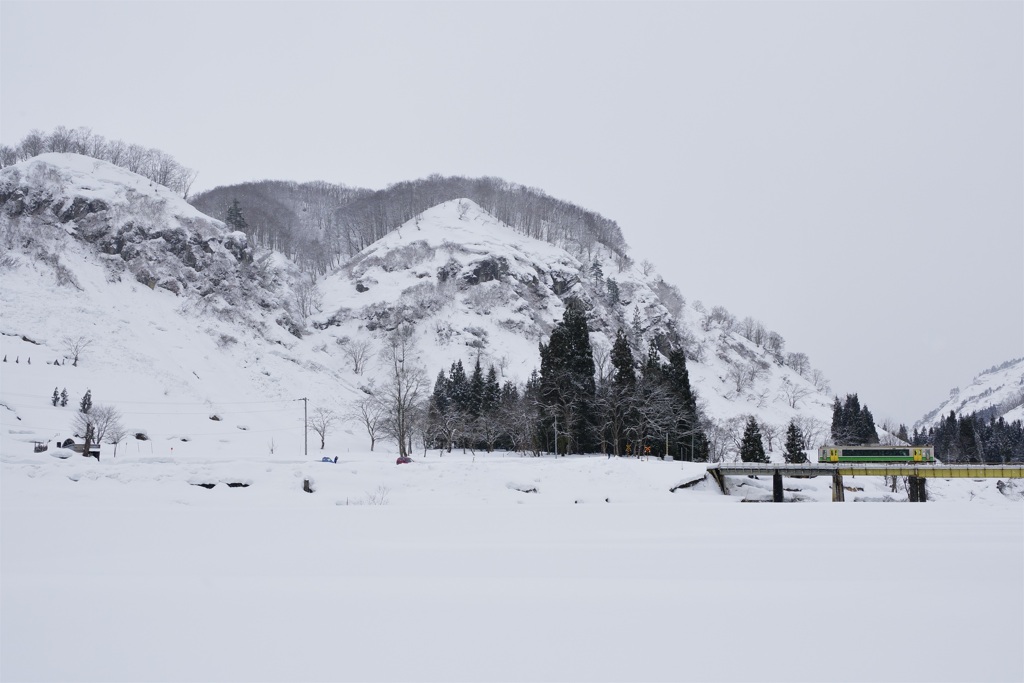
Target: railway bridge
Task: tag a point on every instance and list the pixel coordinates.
(916, 472)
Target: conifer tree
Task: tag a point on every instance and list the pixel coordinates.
(794, 452)
(613, 291)
(86, 405)
(638, 330)
(652, 366)
(458, 387)
(865, 427)
(234, 219)
(476, 390)
(64, 397)
(751, 447)
(622, 361)
(55, 399)
(901, 433)
(692, 441)
(492, 391)
(567, 377)
(440, 398)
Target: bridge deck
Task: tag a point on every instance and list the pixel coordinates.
(935, 471)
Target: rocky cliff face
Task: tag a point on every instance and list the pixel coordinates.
(134, 227)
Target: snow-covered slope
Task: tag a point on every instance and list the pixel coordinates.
(188, 321)
(473, 287)
(998, 391)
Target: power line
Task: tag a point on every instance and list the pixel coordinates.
(165, 403)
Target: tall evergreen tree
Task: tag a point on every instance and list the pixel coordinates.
(234, 218)
(491, 392)
(55, 399)
(865, 428)
(622, 361)
(691, 441)
(567, 377)
(86, 404)
(652, 365)
(794, 452)
(613, 292)
(476, 390)
(458, 387)
(751, 447)
(64, 397)
(901, 433)
(838, 435)
(638, 331)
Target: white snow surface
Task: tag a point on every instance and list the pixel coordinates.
(455, 567)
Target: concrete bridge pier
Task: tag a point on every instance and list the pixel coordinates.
(777, 495)
(917, 489)
(838, 493)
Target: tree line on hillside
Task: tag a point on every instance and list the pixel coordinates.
(320, 224)
(974, 438)
(151, 163)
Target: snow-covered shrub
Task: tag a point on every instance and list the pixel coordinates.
(408, 256)
(483, 298)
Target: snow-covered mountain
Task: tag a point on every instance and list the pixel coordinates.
(183, 312)
(998, 391)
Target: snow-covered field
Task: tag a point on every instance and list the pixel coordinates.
(445, 570)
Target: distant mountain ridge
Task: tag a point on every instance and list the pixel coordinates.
(995, 392)
(320, 224)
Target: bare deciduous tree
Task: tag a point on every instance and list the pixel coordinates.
(770, 432)
(794, 392)
(367, 412)
(815, 431)
(116, 433)
(307, 297)
(820, 382)
(799, 362)
(75, 347)
(321, 422)
(744, 374)
(104, 421)
(403, 393)
(358, 351)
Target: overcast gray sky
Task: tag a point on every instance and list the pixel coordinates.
(850, 173)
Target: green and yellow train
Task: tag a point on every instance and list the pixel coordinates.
(876, 453)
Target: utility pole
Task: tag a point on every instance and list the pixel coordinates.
(305, 425)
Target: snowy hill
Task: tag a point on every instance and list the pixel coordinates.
(188, 322)
(998, 391)
(473, 287)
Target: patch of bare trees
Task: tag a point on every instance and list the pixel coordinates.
(307, 298)
(151, 163)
